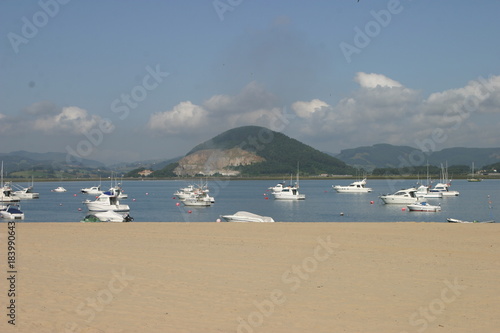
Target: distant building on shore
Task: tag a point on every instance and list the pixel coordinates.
(145, 173)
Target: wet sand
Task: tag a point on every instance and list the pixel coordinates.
(253, 277)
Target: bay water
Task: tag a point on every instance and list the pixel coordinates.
(153, 201)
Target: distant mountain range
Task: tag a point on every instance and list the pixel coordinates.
(24, 160)
(389, 156)
(253, 151)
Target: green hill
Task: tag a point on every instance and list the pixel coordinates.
(281, 153)
(389, 156)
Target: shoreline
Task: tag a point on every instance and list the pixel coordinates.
(278, 178)
(254, 277)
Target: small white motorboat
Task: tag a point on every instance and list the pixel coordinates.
(355, 187)
(107, 201)
(289, 193)
(243, 216)
(59, 189)
(94, 190)
(423, 207)
(462, 221)
(201, 200)
(11, 212)
(193, 191)
(405, 196)
(424, 192)
(26, 193)
(6, 194)
(277, 188)
(443, 189)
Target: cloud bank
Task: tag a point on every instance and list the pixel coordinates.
(379, 110)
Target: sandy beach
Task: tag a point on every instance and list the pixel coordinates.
(252, 277)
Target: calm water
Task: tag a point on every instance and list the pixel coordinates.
(152, 201)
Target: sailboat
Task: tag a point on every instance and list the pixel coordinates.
(442, 187)
(26, 192)
(473, 178)
(290, 192)
(6, 194)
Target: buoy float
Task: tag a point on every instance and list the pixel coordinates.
(74, 195)
(218, 220)
(133, 199)
(403, 209)
(266, 198)
(173, 198)
(177, 204)
(190, 211)
(372, 202)
(341, 213)
(79, 209)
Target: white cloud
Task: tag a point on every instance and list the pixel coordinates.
(253, 105)
(383, 110)
(182, 119)
(373, 80)
(71, 119)
(307, 109)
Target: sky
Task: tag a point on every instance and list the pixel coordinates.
(123, 81)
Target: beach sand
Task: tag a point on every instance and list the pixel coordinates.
(253, 277)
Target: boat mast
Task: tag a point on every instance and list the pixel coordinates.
(297, 174)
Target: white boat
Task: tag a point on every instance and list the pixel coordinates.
(289, 192)
(443, 185)
(11, 212)
(192, 190)
(6, 194)
(59, 189)
(443, 189)
(185, 192)
(473, 177)
(424, 207)
(107, 216)
(118, 187)
(423, 191)
(94, 190)
(243, 216)
(203, 200)
(462, 221)
(26, 193)
(405, 196)
(277, 188)
(355, 187)
(107, 201)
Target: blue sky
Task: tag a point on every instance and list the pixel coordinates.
(333, 74)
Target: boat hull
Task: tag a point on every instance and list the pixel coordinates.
(246, 217)
(99, 207)
(346, 189)
(462, 221)
(196, 202)
(283, 196)
(399, 201)
(423, 208)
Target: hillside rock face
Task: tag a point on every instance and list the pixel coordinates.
(215, 161)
